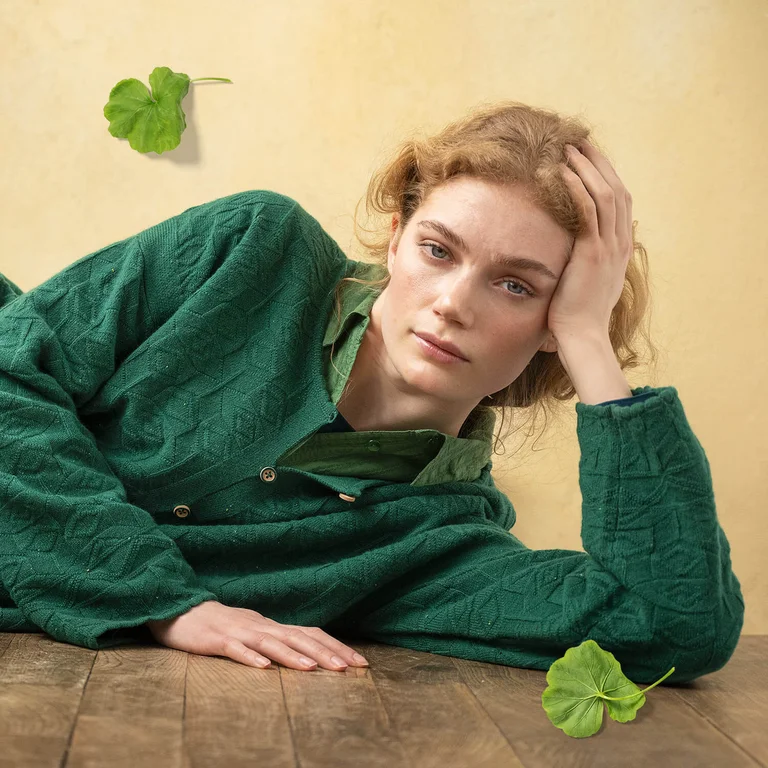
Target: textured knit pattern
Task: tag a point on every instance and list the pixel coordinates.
(174, 367)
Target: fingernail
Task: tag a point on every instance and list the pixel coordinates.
(306, 662)
(339, 662)
(358, 658)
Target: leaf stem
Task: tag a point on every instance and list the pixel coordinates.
(223, 79)
(612, 698)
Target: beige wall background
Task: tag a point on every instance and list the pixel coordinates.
(322, 89)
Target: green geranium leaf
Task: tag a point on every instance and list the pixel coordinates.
(579, 683)
(151, 121)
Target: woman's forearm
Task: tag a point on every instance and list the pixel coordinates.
(593, 368)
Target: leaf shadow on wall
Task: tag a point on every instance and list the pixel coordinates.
(188, 151)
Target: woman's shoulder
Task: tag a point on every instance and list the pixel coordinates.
(8, 290)
(249, 201)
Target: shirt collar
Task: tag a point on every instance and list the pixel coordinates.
(356, 299)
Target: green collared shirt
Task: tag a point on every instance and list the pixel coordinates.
(418, 456)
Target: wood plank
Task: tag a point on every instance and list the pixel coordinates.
(132, 709)
(438, 720)
(38, 659)
(151, 705)
(41, 685)
(338, 718)
(236, 715)
(664, 732)
(735, 698)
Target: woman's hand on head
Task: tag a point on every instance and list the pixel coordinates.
(592, 281)
(245, 636)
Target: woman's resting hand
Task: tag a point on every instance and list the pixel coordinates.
(214, 629)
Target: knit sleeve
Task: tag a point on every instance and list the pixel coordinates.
(77, 559)
(8, 290)
(629, 400)
(649, 521)
(654, 584)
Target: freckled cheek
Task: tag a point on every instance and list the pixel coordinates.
(501, 347)
(399, 311)
(519, 340)
(416, 282)
(409, 293)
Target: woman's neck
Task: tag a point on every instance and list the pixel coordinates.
(372, 400)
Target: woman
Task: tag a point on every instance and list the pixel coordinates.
(196, 443)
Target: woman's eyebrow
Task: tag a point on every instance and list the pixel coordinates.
(519, 262)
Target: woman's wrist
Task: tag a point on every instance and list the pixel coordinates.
(591, 364)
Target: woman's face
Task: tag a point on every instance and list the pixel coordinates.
(495, 314)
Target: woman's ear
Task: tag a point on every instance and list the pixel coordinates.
(393, 242)
(550, 345)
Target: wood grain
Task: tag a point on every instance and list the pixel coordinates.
(61, 705)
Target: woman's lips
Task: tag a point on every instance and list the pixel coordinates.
(437, 353)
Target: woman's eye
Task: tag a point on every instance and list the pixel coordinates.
(431, 247)
(520, 285)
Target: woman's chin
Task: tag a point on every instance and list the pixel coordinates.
(429, 382)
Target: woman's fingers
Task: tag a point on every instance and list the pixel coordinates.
(233, 649)
(293, 647)
(622, 198)
(599, 195)
(273, 648)
(215, 629)
(324, 641)
(350, 655)
(582, 198)
(331, 653)
(297, 638)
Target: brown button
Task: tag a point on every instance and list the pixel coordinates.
(346, 497)
(182, 510)
(268, 474)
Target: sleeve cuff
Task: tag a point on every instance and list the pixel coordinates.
(629, 400)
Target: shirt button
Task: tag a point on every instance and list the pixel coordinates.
(181, 510)
(346, 497)
(268, 474)
(374, 445)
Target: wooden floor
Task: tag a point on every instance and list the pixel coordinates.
(147, 705)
